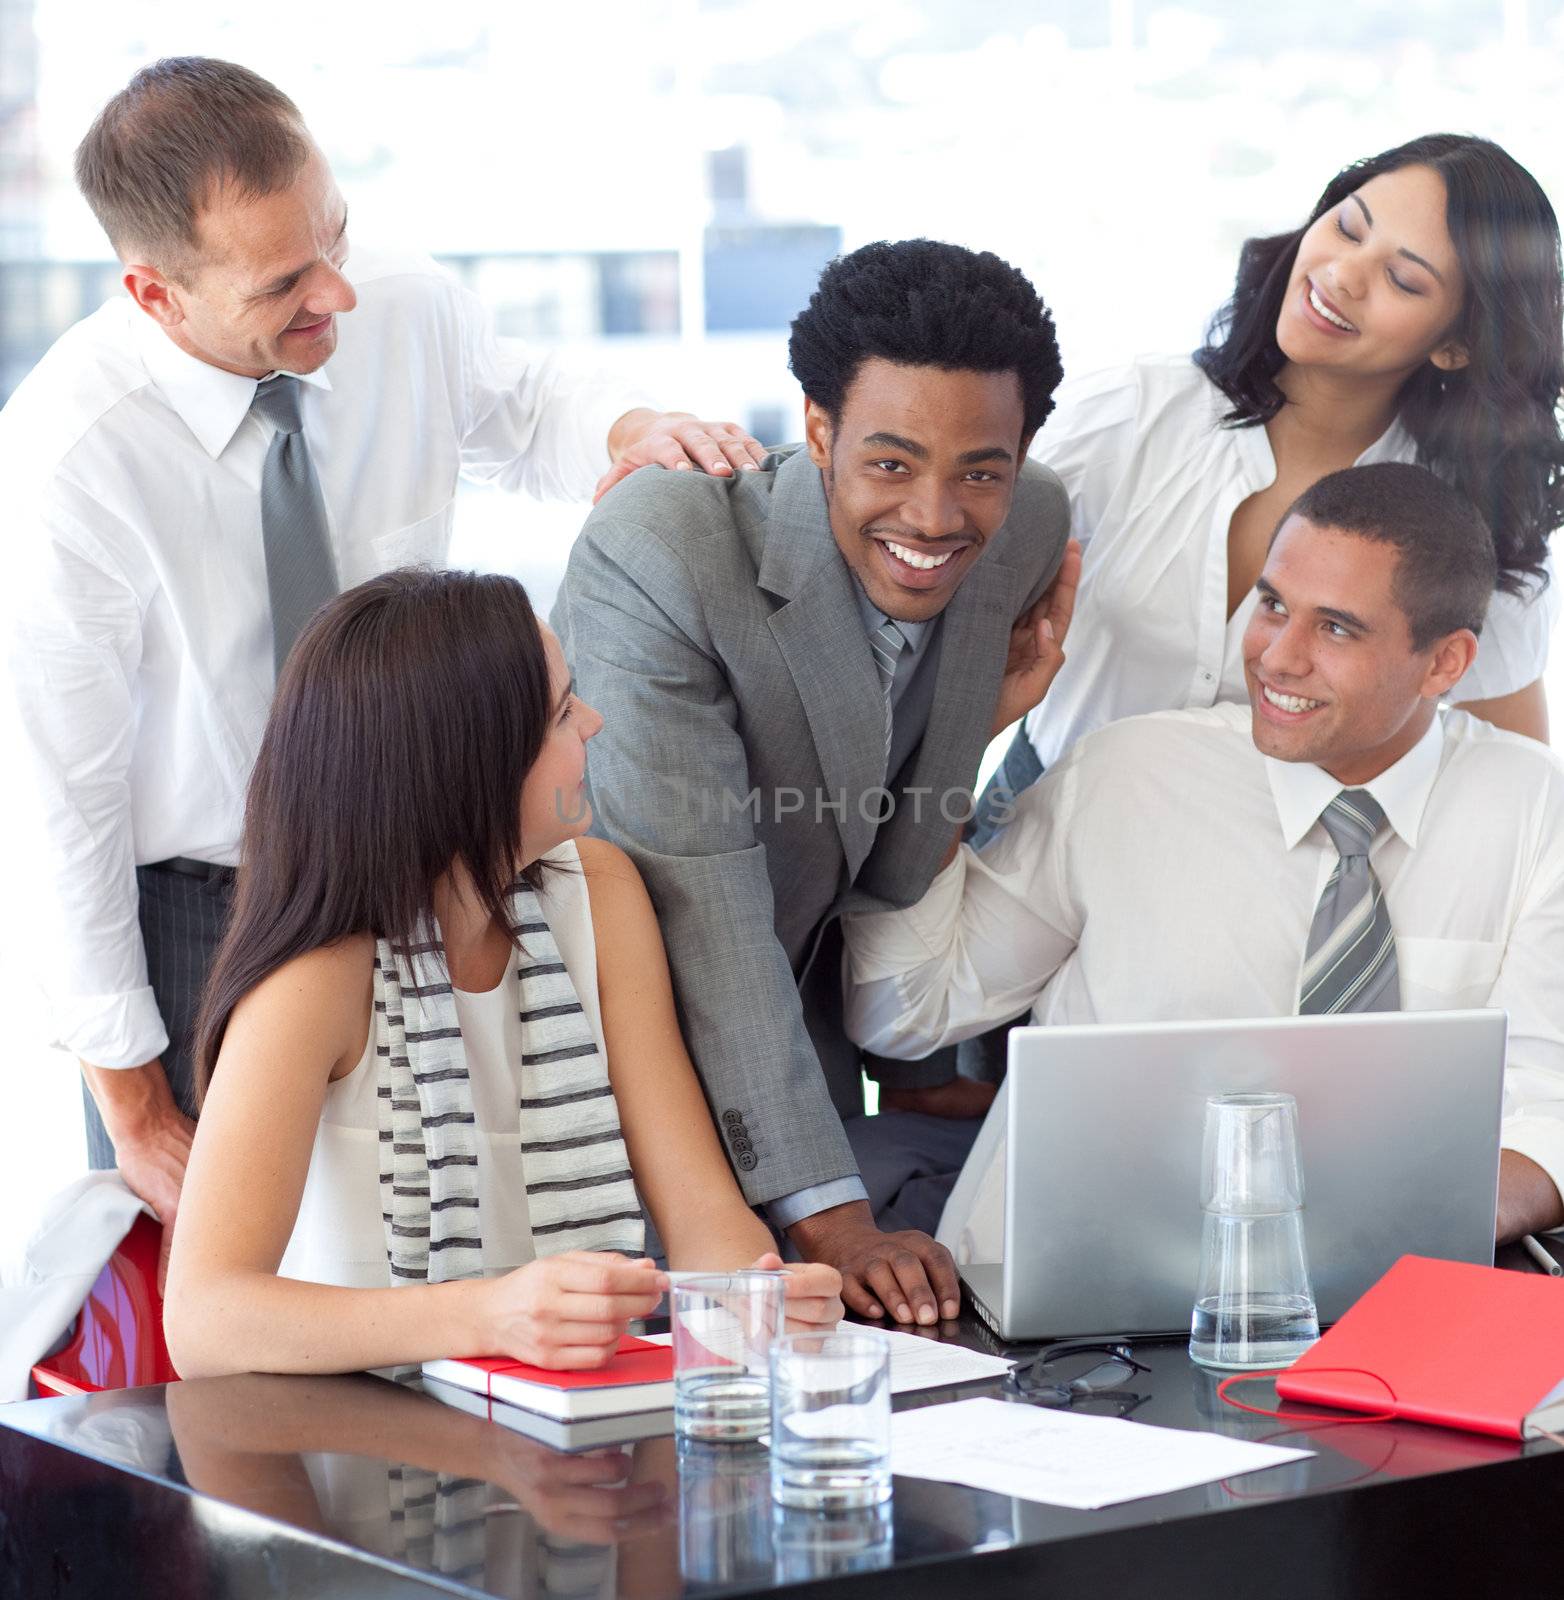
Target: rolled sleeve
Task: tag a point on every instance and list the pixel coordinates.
(73, 647)
(110, 1030)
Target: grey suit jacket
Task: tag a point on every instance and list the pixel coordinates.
(714, 624)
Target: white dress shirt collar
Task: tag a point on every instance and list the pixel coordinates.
(1302, 790)
(209, 401)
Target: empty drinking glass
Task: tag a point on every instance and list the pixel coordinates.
(723, 1325)
(1254, 1306)
(831, 1420)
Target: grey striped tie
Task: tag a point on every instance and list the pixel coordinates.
(300, 572)
(1351, 960)
(887, 643)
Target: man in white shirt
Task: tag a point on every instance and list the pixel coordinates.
(1210, 863)
(190, 471)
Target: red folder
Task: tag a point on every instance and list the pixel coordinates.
(638, 1377)
(1445, 1342)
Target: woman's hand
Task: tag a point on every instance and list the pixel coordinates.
(589, 1498)
(813, 1293)
(567, 1311)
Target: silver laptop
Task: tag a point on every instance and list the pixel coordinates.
(1078, 1211)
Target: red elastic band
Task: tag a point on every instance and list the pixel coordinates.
(1304, 1416)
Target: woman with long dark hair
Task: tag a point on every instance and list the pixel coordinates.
(438, 1053)
(1418, 315)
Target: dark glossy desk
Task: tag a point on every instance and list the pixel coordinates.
(349, 1487)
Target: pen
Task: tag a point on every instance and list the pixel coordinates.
(1541, 1256)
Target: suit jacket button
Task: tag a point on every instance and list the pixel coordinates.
(746, 1160)
(742, 1145)
(732, 1116)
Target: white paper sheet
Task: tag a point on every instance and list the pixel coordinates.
(918, 1363)
(1063, 1458)
(928, 1364)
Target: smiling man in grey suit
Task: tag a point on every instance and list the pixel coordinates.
(798, 671)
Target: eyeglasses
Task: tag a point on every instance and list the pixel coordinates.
(1082, 1375)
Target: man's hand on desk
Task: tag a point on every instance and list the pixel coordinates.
(907, 1275)
(960, 1099)
(1528, 1200)
(151, 1138)
(679, 441)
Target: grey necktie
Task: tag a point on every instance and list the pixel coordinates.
(300, 572)
(1351, 960)
(887, 643)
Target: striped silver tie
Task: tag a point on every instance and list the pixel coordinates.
(300, 572)
(1351, 959)
(887, 642)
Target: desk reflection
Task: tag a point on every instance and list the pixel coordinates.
(392, 1471)
(731, 1535)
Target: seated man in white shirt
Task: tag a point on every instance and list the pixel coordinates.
(189, 472)
(1196, 864)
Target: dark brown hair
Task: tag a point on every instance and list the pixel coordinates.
(1445, 561)
(178, 131)
(1491, 428)
(406, 718)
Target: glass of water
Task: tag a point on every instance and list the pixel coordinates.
(723, 1325)
(831, 1420)
(1254, 1306)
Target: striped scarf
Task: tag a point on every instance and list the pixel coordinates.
(580, 1195)
(445, 1524)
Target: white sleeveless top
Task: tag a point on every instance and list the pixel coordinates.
(338, 1236)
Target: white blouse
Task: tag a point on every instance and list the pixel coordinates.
(1154, 480)
(338, 1236)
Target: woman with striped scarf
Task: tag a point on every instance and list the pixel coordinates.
(439, 1058)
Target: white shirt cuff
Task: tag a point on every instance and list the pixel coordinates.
(110, 1030)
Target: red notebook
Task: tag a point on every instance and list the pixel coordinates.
(639, 1377)
(1468, 1347)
